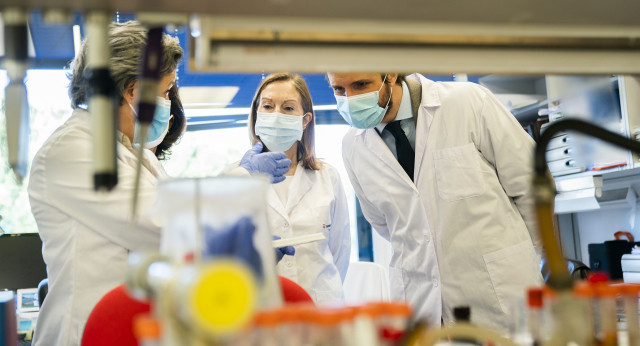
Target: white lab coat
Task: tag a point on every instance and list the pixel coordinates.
(464, 233)
(315, 199)
(86, 235)
(316, 203)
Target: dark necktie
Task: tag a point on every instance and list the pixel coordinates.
(406, 156)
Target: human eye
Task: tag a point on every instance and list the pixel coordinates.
(266, 107)
(360, 85)
(338, 91)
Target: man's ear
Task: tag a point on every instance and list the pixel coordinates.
(392, 78)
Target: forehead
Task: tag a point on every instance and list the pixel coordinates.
(280, 91)
(168, 78)
(344, 79)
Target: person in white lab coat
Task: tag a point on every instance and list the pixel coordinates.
(457, 206)
(311, 199)
(87, 235)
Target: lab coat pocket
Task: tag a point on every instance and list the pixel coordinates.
(458, 174)
(511, 271)
(396, 284)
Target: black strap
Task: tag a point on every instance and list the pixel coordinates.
(406, 155)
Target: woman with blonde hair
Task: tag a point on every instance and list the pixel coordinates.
(311, 199)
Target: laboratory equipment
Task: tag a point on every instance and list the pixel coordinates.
(298, 240)
(208, 218)
(535, 314)
(630, 304)
(148, 91)
(206, 303)
(16, 104)
(559, 278)
(102, 103)
(567, 328)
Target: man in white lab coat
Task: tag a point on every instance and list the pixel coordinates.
(449, 184)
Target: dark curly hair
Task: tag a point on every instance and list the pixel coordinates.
(177, 128)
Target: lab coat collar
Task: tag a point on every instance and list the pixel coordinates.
(429, 101)
(430, 96)
(376, 145)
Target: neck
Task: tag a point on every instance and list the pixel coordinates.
(396, 98)
(126, 121)
(292, 154)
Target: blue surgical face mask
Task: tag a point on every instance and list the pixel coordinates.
(160, 125)
(362, 111)
(279, 131)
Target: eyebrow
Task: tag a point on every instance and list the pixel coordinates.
(359, 81)
(269, 99)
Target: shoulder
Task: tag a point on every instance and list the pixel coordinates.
(329, 173)
(466, 90)
(350, 140)
(234, 169)
(74, 135)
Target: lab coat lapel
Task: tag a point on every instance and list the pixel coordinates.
(300, 185)
(274, 202)
(429, 102)
(376, 145)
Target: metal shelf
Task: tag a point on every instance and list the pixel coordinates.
(529, 113)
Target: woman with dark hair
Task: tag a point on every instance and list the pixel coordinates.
(311, 198)
(177, 126)
(86, 235)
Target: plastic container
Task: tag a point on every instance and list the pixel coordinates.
(326, 328)
(606, 317)
(392, 323)
(535, 314)
(220, 218)
(630, 303)
(267, 328)
(147, 330)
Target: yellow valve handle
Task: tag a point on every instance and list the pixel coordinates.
(223, 298)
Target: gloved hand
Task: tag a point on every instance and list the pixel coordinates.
(234, 241)
(281, 251)
(273, 164)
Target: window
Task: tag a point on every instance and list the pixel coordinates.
(48, 108)
(199, 153)
(208, 152)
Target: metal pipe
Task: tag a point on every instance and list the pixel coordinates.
(102, 102)
(16, 105)
(148, 90)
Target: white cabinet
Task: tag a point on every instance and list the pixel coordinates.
(598, 100)
(579, 162)
(611, 102)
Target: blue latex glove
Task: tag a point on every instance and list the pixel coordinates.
(273, 164)
(234, 241)
(281, 251)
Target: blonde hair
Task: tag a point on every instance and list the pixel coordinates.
(306, 146)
